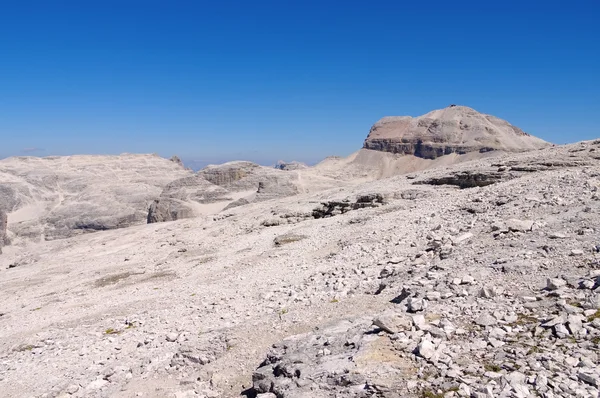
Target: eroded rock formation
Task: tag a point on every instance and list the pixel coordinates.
(456, 129)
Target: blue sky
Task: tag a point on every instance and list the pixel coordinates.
(268, 80)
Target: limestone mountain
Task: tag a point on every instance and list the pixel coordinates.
(61, 196)
(455, 129)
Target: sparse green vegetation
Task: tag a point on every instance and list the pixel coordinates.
(492, 367)
(24, 347)
(431, 394)
(289, 238)
(112, 279)
(111, 331)
(596, 315)
(575, 303)
(335, 300)
(523, 319)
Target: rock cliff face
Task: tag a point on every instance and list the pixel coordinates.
(3, 223)
(456, 129)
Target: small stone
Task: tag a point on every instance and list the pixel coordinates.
(555, 283)
(589, 379)
(489, 292)
(557, 235)
(462, 238)
(419, 322)
(172, 337)
(392, 323)
(96, 384)
(72, 389)
(529, 299)
(519, 225)
(574, 323)
(467, 280)
(497, 333)
(486, 319)
(557, 320)
(587, 284)
(561, 331)
(433, 296)
(426, 349)
(415, 305)
(577, 252)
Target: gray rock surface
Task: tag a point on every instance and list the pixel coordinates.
(59, 197)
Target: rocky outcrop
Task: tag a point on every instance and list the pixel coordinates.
(336, 207)
(230, 174)
(177, 160)
(468, 179)
(221, 187)
(167, 210)
(293, 165)
(3, 224)
(456, 129)
(58, 197)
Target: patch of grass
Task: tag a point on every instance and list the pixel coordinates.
(594, 316)
(575, 303)
(24, 347)
(282, 312)
(36, 309)
(335, 300)
(523, 319)
(492, 367)
(289, 238)
(534, 350)
(431, 394)
(595, 340)
(111, 331)
(160, 274)
(111, 279)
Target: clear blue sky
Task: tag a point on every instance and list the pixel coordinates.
(268, 80)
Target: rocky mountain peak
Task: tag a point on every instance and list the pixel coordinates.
(455, 129)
